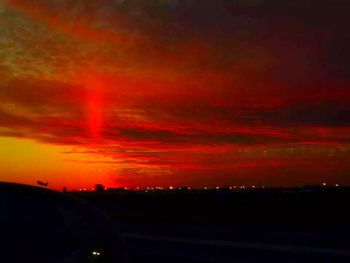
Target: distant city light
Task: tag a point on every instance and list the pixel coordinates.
(253, 186)
(336, 185)
(217, 187)
(324, 184)
(171, 187)
(96, 253)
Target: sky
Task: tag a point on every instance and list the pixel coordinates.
(138, 93)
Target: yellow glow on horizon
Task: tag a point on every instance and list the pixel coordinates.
(26, 161)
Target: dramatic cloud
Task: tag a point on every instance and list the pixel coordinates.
(182, 92)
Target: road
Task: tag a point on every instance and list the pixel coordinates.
(222, 226)
(165, 243)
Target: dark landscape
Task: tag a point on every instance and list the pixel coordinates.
(309, 224)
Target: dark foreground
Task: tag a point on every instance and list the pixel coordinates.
(266, 225)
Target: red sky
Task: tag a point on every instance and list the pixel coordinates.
(158, 93)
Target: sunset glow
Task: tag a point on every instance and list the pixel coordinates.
(174, 93)
(94, 107)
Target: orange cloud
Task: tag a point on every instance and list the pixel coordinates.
(193, 93)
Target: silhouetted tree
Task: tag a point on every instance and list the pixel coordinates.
(99, 188)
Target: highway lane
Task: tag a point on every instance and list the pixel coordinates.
(174, 249)
(328, 236)
(273, 226)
